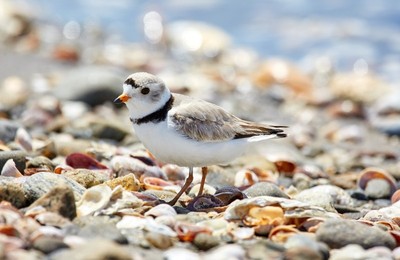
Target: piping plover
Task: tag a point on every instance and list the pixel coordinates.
(186, 131)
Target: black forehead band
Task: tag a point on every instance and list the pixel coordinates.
(131, 82)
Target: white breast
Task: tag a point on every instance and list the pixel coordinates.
(170, 147)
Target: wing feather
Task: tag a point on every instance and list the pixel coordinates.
(203, 121)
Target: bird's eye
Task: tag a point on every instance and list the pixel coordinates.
(145, 91)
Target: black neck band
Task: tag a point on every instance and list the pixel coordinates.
(156, 116)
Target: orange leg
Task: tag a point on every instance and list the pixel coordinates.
(188, 181)
(204, 172)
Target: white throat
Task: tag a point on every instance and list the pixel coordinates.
(139, 107)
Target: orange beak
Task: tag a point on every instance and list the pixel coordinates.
(123, 98)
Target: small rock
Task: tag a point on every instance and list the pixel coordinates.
(93, 249)
(204, 241)
(217, 177)
(40, 183)
(337, 233)
(40, 162)
(108, 130)
(48, 244)
(13, 193)
(264, 189)
(98, 227)
(377, 189)
(19, 158)
(128, 182)
(8, 130)
(60, 200)
(87, 178)
(93, 85)
(159, 241)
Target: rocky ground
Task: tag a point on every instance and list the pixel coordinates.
(77, 184)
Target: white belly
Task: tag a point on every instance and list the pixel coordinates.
(170, 147)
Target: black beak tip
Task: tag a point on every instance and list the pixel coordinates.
(117, 101)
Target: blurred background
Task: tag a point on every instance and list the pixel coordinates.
(245, 56)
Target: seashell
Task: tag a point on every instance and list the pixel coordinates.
(123, 165)
(229, 251)
(23, 138)
(346, 108)
(148, 224)
(12, 244)
(52, 219)
(395, 196)
(62, 168)
(154, 183)
(260, 216)
(10, 170)
(174, 172)
(204, 202)
(243, 233)
(124, 202)
(80, 160)
(219, 226)
(238, 209)
(187, 232)
(166, 220)
(285, 167)
(229, 194)
(375, 173)
(181, 253)
(245, 177)
(128, 182)
(207, 189)
(94, 199)
(281, 233)
(8, 230)
(47, 231)
(159, 241)
(396, 235)
(161, 210)
(311, 224)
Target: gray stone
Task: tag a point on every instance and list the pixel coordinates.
(98, 249)
(8, 130)
(60, 200)
(264, 189)
(47, 244)
(19, 158)
(204, 241)
(337, 233)
(12, 192)
(87, 178)
(93, 85)
(40, 183)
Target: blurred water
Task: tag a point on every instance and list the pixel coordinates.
(302, 31)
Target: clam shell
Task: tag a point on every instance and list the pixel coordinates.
(94, 199)
(10, 170)
(376, 173)
(161, 210)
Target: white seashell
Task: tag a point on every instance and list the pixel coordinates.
(242, 233)
(126, 203)
(207, 190)
(245, 177)
(131, 164)
(94, 199)
(148, 224)
(23, 138)
(161, 210)
(47, 231)
(166, 220)
(10, 170)
(238, 209)
(181, 253)
(232, 251)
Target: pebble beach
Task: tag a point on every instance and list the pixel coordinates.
(76, 183)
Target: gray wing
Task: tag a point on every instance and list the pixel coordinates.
(203, 121)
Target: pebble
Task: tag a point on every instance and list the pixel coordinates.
(159, 241)
(93, 249)
(19, 158)
(204, 241)
(13, 193)
(40, 183)
(48, 245)
(337, 233)
(59, 199)
(87, 178)
(264, 189)
(8, 130)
